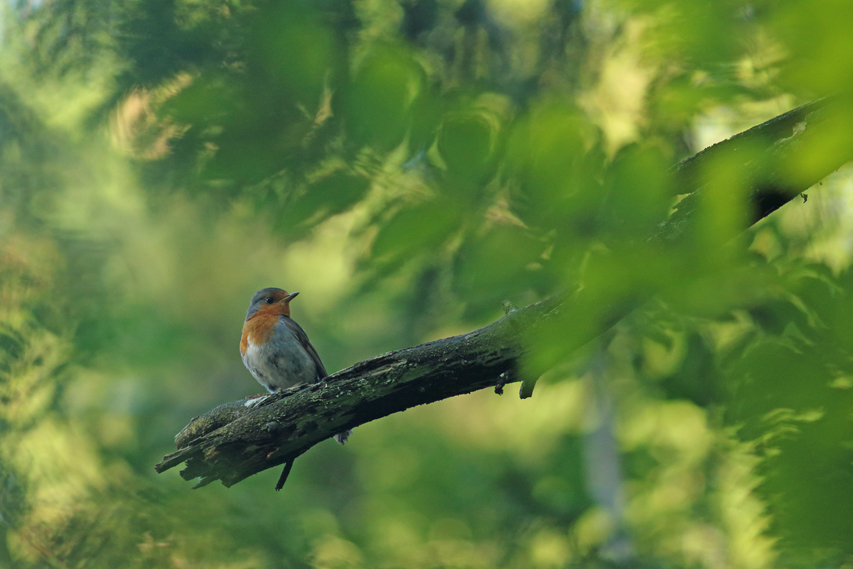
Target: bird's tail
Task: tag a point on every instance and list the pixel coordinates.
(342, 437)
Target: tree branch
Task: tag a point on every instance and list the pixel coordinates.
(777, 160)
(237, 440)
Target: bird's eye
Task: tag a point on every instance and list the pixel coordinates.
(269, 300)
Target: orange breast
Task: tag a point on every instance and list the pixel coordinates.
(258, 328)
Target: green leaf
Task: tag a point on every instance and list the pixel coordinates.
(381, 97)
(415, 230)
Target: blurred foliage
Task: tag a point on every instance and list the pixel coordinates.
(408, 165)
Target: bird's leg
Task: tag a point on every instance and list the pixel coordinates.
(284, 474)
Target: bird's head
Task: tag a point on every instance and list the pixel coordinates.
(271, 301)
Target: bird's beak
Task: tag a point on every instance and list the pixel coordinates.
(290, 296)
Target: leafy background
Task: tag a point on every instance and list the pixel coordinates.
(408, 165)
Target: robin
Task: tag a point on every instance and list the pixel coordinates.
(276, 350)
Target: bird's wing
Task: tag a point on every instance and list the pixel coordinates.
(303, 339)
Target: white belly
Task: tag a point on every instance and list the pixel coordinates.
(279, 364)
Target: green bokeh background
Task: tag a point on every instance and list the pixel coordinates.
(408, 165)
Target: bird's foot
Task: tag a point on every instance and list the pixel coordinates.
(255, 400)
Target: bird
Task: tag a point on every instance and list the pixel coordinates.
(276, 350)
